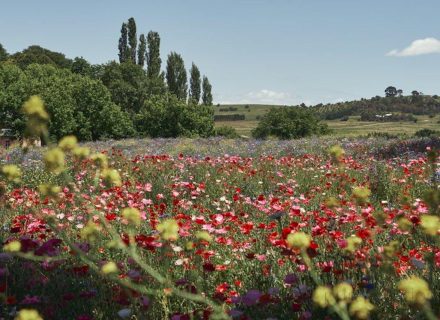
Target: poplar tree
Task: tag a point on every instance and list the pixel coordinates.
(153, 55)
(132, 39)
(195, 86)
(176, 76)
(142, 50)
(123, 44)
(207, 95)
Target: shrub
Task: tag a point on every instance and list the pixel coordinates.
(289, 123)
(427, 133)
(226, 131)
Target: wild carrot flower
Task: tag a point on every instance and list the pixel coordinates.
(100, 160)
(203, 235)
(404, 224)
(37, 116)
(361, 194)
(353, 243)
(111, 178)
(49, 190)
(90, 231)
(81, 152)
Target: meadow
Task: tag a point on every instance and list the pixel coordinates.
(329, 228)
(351, 128)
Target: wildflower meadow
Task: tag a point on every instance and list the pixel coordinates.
(316, 229)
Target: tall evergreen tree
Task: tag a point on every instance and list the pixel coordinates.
(153, 55)
(3, 54)
(142, 50)
(176, 76)
(207, 95)
(123, 44)
(195, 85)
(132, 39)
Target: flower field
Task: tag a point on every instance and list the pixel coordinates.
(101, 232)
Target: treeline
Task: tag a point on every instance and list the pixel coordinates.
(129, 97)
(393, 102)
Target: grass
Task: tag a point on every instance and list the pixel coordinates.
(353, 127)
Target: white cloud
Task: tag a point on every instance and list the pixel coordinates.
(268, 96)
(418, 47)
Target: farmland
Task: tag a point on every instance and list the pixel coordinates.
(352, 127)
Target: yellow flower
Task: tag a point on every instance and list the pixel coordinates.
(323, 297)
(13, 246)
(430, 224)
(169, 229)
(343, 291)
(109, 267)
(54, 160)
(11, 172)
(332, 202)
(90, 231)
(132, 215)
(415, 290)
(100, 160)
(353, 243)
(28, 314)
(111, 178)
(404, 224)
(337, 153)
(37, 116)
(203, 235)
(68, 143)
(48, 190)
(390, 249)
(81, 152)
(189, 245)
(361, 194)
(298, 240)
(34, 108)
(361, 308)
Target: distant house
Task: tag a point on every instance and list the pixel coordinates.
(7, 138)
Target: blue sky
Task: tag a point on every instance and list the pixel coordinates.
(261, 51)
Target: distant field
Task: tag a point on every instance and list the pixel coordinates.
(352, 127)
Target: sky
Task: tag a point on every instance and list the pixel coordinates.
(254, 51)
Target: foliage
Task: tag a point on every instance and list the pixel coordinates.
(289, 123)
(37, 54)
(132, 39)
(124, 52)
(142, 51)
(207, 94)
(227, 132)
(77, 105)
(3, 53)
(168, 116)
(195, 85)
(427, 133)
(177, 81)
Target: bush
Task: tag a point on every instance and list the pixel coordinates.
(227, 132)
(289, 123)
(229, 117)
(427, 133)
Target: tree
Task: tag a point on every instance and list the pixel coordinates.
(289, 123)
(415, 93)
(207, 95)
(399, 92)
(81, 66)
(123, 44)
(76, 104)
(195, 86)
(37, 54)
(390, 91)
(153, 55)
(176, 76)
(3, 53)
(142, 51)
(132, 39)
